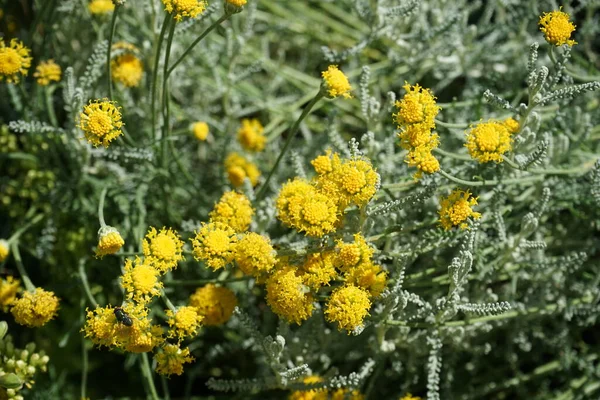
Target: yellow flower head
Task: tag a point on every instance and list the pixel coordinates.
(488, 141)
(368, 276)
(200, 130)
(417, 108)
(109, 241)
(324, 163)
(9, 288)
(233, 209)
(214, 303)
(46, 72)
(350, 255)
(143, 337)
(313, 394)
(345, 394)
(184, 322)
(456, 209)
(140, 280)
(301, 206)
(255, 255)
(318, 270)
(14, 60)
(348, 306)
(409, 396)
(239, 168)
(237, 3)
(336, 82)
(35, 309)
(423, 159)
(512, 125)
(101, 122)
(163, 249)
(251, 135)
(170, 360)
(98, 7)
(100, 326)
(215, 244)
(184, 8)
(127, 69)
(414, 136)
(287, 296)
(4, 250)
(557, 28)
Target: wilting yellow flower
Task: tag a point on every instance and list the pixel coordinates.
(255, 255)
(233, 209)
(456, 209)
(14, 60)
(348, 306)
(35, 309)
(351, 255)
(301, 206)
(200, 130)
(9, 288)
(101, 6)
(318, 270)
(4, 250)
(184, 8)
(109, 241)
(313, 394)
(287, 296)
(170, 360)
(336, 82)
(46, 72)
(163, 249)
(140, 280)
(101, 122)
(368, 276)
(214, 303)
(239, 168)
(251, 135)
(488, 141)
(184, 322)
(127, 69)
(557, 28)
(214, 244)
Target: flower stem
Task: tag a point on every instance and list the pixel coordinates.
(101, 207)
(86, 285)
(19, 232)
(111, 34)
(50, 106)
(155, 72)
(165, 103)
(14, 248)
(147, 372)
(167, 301)
(288, 142)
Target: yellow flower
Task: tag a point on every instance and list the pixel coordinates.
(184, 322)
(345, 394)
(101, 6)
(287, 297)
(127, 69)
(184, 8)
(409, 396)
(4, 250)
(412, 136)
(171, 359)
(214, 303)
(9, 288)
(323, 164)
(512, 125)
(368, 276)
(101, 122)
(239, 168)
(456, 208)
(417, 108)
(35, 309)
(301, 206)
(214, 244)
(336, 82)
(557, 28)
(233, 209)
(237, 3)
(144, 337)
(250, 135)
(200, 130)
(100, 326)
(422, 158)
(14, 60)
(109, 241)
(313, 394)
(488, 141)
(318, 270)
(46, 72)
(351, 255)
(255, 255)
(163, 249)
(348, 306)
(140, 280)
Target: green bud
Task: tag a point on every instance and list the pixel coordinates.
(11, 381)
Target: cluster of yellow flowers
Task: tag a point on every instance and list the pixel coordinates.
(238, 167)
(324, 394)
(15, 61)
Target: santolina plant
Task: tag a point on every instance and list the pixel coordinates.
(299, 200)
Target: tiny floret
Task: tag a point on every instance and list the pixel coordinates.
(488, 141)
(163, 249)
(35, 309)
(46, 72)
(184, 8)
(251, 135)
(214, 303)
(233, 209)
(336, 83)
(109, 241)
(101, 122)
(184, 322)
(200, 130)
(15, 61)
(456, 209)
(214, 244)
(170, 360)
(348, 306)
(557, 28)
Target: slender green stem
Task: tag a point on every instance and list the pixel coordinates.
(50, 106)
(199, 282)
(147, 372)
(166, 100)
(288, 142)
(15, 236)
(165, 387)
(155, 72)
(198, 40)
(86, 285)
(463, 125)
(101, 207)
(492, 182)
(111, 34)
(14, 248)
(463, 157)
(163, 295)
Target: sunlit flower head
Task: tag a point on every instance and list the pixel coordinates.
(163, 249)
(368, 276)
(348, 306)
(15, 60)
(170, 360)
(255, 255)
(200, 130)
(109, 241)
(351, 255)
(214, 303)
(214, 244)
(233, 209)
(101, 122)
(9, 288)
(417, 108)
(99, 7)
(423, 159)
(184, 8)
(35, 309)
(184, 322)
(251, 135)
(127, 69)
(287, 296)
(456, 209)
(557, 28)
(46, 72)
(488, 141)
(336, 82)
(140, 280)
(318, 269)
